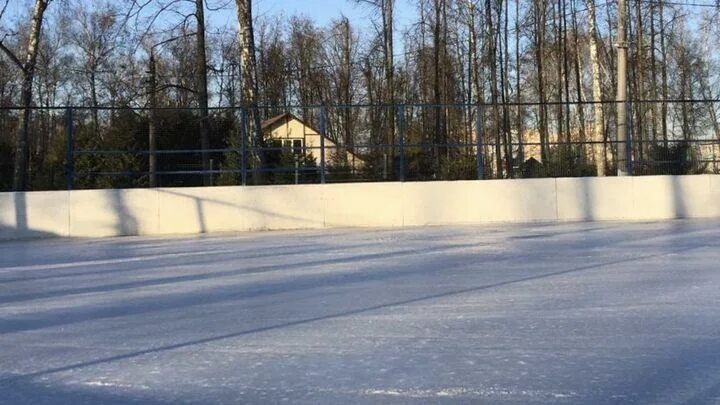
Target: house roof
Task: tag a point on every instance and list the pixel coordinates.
(282, 118)
(274, 120)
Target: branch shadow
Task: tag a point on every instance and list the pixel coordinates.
(321, 318)
(251, 290)
(144, 261)
(19, 227)
(126, 223)
(244, 209)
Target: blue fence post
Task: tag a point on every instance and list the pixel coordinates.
(243, 146)
(322, 145)
(401, 139)
(479, 142)
(69, 149)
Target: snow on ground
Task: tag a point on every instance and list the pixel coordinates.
(571, 313)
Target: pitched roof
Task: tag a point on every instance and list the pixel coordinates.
(282, 118)
(278, 118)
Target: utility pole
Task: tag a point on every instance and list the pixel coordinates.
(621, 99)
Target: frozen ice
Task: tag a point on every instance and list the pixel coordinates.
(542, 313)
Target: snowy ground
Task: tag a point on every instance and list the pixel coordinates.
(574, 313)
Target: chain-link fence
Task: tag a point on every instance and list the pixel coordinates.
(123, 147)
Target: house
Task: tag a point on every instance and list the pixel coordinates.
(708, 151)
(301, 137)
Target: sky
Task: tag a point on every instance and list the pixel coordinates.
(322, 11)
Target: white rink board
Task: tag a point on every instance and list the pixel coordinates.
(162, 211)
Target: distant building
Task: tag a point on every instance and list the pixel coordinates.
(298, 136)
(709, 154)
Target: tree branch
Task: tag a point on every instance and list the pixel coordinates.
(4, 8)
(174, 86)
(12, 57)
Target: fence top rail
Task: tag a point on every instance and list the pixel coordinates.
(380, 145)
(373, 105)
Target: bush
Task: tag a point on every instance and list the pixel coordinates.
(676, 158)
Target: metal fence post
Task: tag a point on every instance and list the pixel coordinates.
(401, 136)
(243, 146)
(322, 145)
(479, 142)
(69, 149)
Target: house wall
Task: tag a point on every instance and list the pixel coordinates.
(294, 129)
(97, 213)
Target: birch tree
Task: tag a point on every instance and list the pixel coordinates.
(27, 69)
(599, 124)
(249, 89)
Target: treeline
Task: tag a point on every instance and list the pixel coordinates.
(541, 72)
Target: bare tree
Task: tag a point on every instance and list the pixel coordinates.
(539, 14)
(341, 50)
(599, 120)
(93, 34)
(621, 97)
(578, 83)
(388, 49)
(386, 10)
(27, 68)
(201, 88)
(249, 89)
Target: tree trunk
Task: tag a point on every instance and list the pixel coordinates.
(653, 74)
(94, 100)
(683, 63)
(520, 127)
(505, 70)
(347, 84)
(559, 68)
(201, 89)
(476, 92)
(387, 17)
(436, 86)
(492, 56)
(27, 68)
(540, 8)
(639, 68)
(663, 77)
(621, 97)
(566, 71)
(599, 124)
(152, 123)
(579, 86)
(248, 64)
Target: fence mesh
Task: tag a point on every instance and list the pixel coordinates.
(122, 147)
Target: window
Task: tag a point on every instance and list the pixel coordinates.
(297, 146)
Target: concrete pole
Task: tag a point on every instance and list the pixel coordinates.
(621, 99)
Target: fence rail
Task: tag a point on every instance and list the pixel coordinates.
(78, 147)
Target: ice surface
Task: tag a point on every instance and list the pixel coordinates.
(571, 313)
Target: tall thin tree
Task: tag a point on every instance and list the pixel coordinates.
(249, 89)
(201, 89)
(599, 116)
(27, 69)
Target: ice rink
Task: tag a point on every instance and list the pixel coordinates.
(570, 313)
